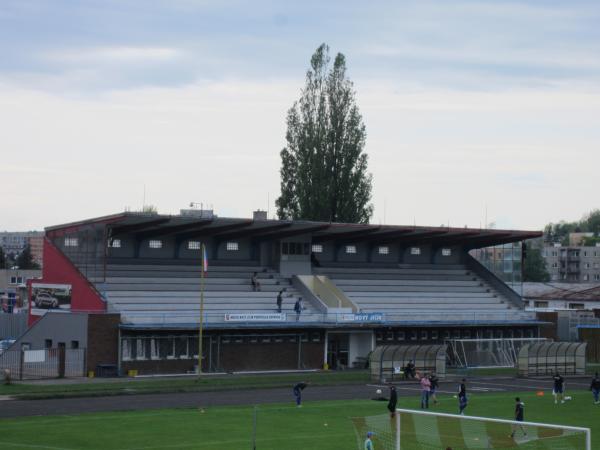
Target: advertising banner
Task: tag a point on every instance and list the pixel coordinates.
(363, 317)
(49, 297)
(259, 317)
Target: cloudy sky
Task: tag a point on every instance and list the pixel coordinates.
(469, 105)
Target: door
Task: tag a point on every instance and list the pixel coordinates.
(337, 351)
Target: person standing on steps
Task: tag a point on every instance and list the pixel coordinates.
(279, 300)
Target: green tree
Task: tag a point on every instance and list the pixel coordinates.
(323, 167)
(2, 259)
(534, 265)
(25, 259)
(592, 222)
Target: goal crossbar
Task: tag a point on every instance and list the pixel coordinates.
(586, 431)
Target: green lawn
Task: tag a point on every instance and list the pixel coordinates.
(280, 426)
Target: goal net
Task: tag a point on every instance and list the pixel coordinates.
(419, 430)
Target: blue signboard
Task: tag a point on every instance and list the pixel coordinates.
(363, 317)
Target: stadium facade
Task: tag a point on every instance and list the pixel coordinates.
(127, 287)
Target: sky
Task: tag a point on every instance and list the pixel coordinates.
(476, 111)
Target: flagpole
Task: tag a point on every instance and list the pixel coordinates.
(200, 330)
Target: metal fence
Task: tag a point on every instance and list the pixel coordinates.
(47, 363)
(245, 319)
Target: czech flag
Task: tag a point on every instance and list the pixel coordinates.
(204, 259)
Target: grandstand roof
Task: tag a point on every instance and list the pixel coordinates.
(153, 225)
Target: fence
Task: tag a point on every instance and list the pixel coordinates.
(12, 325)
(47, 363)
(245, 319)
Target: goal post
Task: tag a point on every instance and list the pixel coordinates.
(424, 430)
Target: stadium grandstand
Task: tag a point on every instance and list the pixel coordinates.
(134, 281)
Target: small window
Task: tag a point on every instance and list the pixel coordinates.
(155, 243)
(19, 280)
(424, 335)
(400, 336)
(446, 252)
(576, 306)
(232, 246)
(48, 343)
(584, 253)
(596, 277)
(317, 248)
(13, 280)
(351, 249)
(71, 242)
(586, 277)
(383, 250)
(434, 335)
(193, 245)
(554, 265)
(389, 336)
(415, 250)
(126, 349)
(74, 344)
(540, 304)
(116, 243)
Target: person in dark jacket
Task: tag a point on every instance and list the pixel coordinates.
(559, 388)
(519, 417)
(435, 381)
(462, 397)
(595, 388)
(298, 388)
(393, 401)
(279, 300)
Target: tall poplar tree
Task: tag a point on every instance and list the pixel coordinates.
(323, 166)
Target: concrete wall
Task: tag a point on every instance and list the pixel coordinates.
(59, 327)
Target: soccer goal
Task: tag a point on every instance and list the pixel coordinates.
(421, 430)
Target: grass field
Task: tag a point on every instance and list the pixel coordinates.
(279, 426)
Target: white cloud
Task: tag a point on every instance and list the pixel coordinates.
(113, 55)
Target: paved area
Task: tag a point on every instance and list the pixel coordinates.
(20, 408)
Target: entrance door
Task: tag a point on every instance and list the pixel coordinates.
(337, 350)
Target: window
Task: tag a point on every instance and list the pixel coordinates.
(540, 304)
(193, 245)
(597, 277)
(232, 246)
(576, 306)
(295, 248)
(71, 242)
(383, 250)
(415, 250)
(116, 243)
(434, 335)
(555, 254)
(16, 280)
(155, 243)
(74, 344)
(351, 249)
(140, 349)
(424, 335)
(596, 265)
(154, 349)
(48, 343)
(555, 265)
(586, 277)
(446, 252)
(584, 253)
(587, 265)
(400, 336)
(126, 349)
(317, 248)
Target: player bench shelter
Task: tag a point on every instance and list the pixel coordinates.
(546, 358)
(387, 362)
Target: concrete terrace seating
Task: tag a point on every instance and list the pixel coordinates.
(417, 288)
(172, 292)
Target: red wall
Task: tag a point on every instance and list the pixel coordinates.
(59, 269)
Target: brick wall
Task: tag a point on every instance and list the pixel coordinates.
(102, 340)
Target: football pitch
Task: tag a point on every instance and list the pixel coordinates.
(319, 425)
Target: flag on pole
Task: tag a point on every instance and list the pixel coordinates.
(204, 259)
